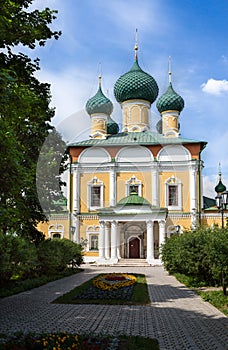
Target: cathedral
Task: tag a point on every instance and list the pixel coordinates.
(130, 189)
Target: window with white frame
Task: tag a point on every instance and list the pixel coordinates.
(94, 242)
(173, 193)
(95, 193)
(56, 231)
(92, 237)
(133, 184)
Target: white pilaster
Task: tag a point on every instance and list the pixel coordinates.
(155, 187)
(150, 241)
(193, 194)
(107, 240)
(76, 189)
(76, 234)
(112, 186)
(102, 241)
(114, 258)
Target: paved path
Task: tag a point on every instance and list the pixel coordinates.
(177, 317)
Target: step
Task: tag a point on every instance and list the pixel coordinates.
(132, 262)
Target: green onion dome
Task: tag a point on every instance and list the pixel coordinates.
(170, 100)
(220, 187)
(133, 199)
(159, 126)
(136, 84)
(99, 103)
(112, 126)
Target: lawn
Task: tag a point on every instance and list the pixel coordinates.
(16, 286)
(130, 289)
(215, 298)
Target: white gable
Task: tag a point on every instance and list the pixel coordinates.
(174, 153)
(134, 154)
(94, 155)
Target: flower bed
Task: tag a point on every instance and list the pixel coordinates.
(109, 287)
(114, 281)
(60, 341)
(67, 341)
(112, 288)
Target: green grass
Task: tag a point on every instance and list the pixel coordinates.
(217, 299)
(140, 295)
(16, 286)
(189, 281)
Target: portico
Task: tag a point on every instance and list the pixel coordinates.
(131, 229)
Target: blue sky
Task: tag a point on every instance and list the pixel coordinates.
(101, 33)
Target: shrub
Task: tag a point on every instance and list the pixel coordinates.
(17, 257)
(202, 254)
(55, 255)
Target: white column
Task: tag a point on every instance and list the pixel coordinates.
(161, 232)
(150, 241)
(118, 242)
(102, 240)
(155, 187)
(114, 241)
(112, 186)
(107, 240)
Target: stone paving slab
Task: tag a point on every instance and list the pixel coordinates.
(177, 317)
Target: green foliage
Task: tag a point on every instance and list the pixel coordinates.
(25, 116)
(15, 286)
(17, 257)
(202, 254)
(55, 255)
(217, 299)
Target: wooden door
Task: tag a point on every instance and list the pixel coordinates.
(134, 248)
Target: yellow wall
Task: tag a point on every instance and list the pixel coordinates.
(43, 226)
(123, 177)
(183, 176)
(84, 179)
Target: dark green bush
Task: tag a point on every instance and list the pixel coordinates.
(18, 258)
(55, 255)
(202, 254)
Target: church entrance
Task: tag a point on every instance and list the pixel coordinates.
(134, 248)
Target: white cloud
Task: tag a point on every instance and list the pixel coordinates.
(215, 87)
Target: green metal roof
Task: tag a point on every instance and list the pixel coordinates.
(136, 84)
(112, 126)
(220, 187)
(133, 199)
(170, 100)
(135, 138)
(99, 103)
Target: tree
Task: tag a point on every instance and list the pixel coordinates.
(25, 115)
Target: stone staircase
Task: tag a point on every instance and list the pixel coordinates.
(132, 262)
